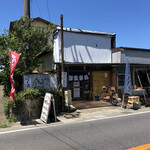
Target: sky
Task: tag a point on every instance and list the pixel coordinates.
(129, 19)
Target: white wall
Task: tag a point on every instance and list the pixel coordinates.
(57, 48)
(116, 57)
(83, 48)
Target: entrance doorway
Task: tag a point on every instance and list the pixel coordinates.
(79, 83)
(100, 79)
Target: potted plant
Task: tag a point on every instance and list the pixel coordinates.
(97, 96)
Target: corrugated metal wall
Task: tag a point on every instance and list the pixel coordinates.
(135, 56)
(139, 57)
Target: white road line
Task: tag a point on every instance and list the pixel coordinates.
(19, 130)
(27, 129)
(118, 116)
(95, 119)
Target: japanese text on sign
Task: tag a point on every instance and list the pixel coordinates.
(46, 107)
(78, 76)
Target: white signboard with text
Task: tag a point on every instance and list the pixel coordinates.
(38, 81)
(64, 79)
(76, 92)
(46, 107)
(48, 101)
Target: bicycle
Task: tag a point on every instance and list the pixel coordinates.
(111, 97)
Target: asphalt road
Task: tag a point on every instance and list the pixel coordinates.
(118, 133)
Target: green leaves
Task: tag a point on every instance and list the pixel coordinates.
(27, 40)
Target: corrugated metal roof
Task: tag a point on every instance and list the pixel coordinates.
(86, 31)
(129, 48)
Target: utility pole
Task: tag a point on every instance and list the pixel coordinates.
(26, 13)
(26, 8)
(62, 45)
(62, 61)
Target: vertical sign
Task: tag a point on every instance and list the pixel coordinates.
(127, 81)
(76, 92)
(46, 107)
(64, 79)
(68, 98)
(14, 58)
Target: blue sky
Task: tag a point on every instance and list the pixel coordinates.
(129, 19)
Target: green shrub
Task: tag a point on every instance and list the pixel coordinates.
(6, 123)
(30, 95)
(1, 77)
(8, 105)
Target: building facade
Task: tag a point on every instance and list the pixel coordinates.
(87, 60)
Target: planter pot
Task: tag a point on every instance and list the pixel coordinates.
(135, 106)
(97, 98)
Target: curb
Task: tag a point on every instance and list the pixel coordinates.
(84, 115)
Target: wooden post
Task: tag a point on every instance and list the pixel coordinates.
(141, 86)
(62, 45)
(123, 101)
(134, 77)
(62, 60)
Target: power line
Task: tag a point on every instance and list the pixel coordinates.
(48, 9)
(32, 2)
(38, 8)
(31, 8)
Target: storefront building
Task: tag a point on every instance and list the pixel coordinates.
(87, 61)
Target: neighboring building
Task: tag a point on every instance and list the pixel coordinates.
(37, 79)
(135, 55)
(139, 64)
(36, 22)
(46, 56)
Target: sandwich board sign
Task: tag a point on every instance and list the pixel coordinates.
(48, 101)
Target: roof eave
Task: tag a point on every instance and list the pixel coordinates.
(85, 31)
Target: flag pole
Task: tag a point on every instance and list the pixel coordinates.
(122, 101)
(10, 68)
(10, 75)
(11, 112)
(14, 58)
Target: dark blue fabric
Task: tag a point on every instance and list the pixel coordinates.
(127, 81)
(78, 76)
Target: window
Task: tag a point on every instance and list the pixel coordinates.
(120, 80)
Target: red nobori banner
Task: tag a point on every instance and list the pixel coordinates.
(14, 58)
